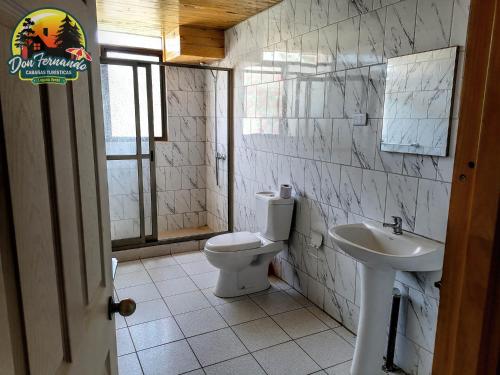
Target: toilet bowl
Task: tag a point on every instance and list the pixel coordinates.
(243, 258)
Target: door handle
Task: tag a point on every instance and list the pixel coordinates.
(125, 307)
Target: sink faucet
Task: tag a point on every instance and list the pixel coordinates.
(397, 227)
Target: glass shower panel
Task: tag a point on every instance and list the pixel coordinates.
(123, 187)
(147, 197)
(119, 109)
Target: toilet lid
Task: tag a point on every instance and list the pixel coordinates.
(233, 242)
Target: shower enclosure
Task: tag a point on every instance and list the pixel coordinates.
(166, 134)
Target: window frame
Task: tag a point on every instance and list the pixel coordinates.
(163, 90)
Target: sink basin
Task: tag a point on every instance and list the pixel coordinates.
(380, 248)
(381, 253)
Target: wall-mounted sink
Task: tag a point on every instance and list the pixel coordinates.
(381, 254)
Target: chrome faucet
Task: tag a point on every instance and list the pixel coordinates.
(397, 227)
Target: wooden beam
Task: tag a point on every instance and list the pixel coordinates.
(468, 317)
(187, 44)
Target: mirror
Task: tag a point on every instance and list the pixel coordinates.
(418, 102)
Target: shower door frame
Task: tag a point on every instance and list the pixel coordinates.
(126, 244)
(139, 156)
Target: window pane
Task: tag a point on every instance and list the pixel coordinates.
(146, 178)
(131, 56)
(123, 187)
(119, 109)
(130, 40)
(155, 78)
(143, 109)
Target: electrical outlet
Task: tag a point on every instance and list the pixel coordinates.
(359, 119)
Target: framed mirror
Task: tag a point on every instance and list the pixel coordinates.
(418, 102)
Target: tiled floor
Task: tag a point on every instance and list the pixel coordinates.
(180, 327)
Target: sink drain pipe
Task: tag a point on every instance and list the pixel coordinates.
(393, 329)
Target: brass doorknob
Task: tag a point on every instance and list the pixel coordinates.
(125, 307)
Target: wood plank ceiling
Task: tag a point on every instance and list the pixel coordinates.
(157, 17)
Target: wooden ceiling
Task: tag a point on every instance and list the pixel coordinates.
(156, 17)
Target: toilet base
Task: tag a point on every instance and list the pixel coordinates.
(251, 279)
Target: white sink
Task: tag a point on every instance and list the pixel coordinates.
(379, 248)
(381, 253)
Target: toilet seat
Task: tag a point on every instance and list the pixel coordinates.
(237, 241)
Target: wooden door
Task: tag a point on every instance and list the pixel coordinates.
(54, 234)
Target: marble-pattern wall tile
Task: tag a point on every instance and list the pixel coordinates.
(373, 194)
(302, 17)
(338, 10)
(275, 24)
(322, 140)
(327, 48)
(402, 199)
(356, 91)
(400, 28)
(359, 7)
(433, 198)
(309, 53)
(287, 19)
(330, 184)
(347, 43)
(422, 317)
(341, 141)
(376, 91)
(319, 13)
(350, 189)
(313, 179)
(371, 37)
(433, 24)
(364, 145)
(334, 95)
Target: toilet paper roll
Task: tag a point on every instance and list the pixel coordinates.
(285, 191)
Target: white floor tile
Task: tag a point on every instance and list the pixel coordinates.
(299, 298)
(139, 293)
(129, 365)
(342, 369)
(260, 334)
(216, 346)
(324, 317)
(205, 280)
(276, 303)
(119, 321)
(285, 359)
(193, 256)
(278, 283)
(148, 311)
(128, 267)
(348, 336)
(200, 321)
(299, 323)
(186, 302)
(158, 262)
(155, 333)
(176, 286)
(174, 358)
(195, 268)
(131, 279)
(216, 301)
(124, 343)
(245, 365)
(326, 348)
(166, 273)
(240, 311)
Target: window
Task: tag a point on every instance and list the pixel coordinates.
(36, 46)
(151, 58)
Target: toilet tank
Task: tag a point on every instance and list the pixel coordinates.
(273, 215)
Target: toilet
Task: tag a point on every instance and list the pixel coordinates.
(243, 257)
